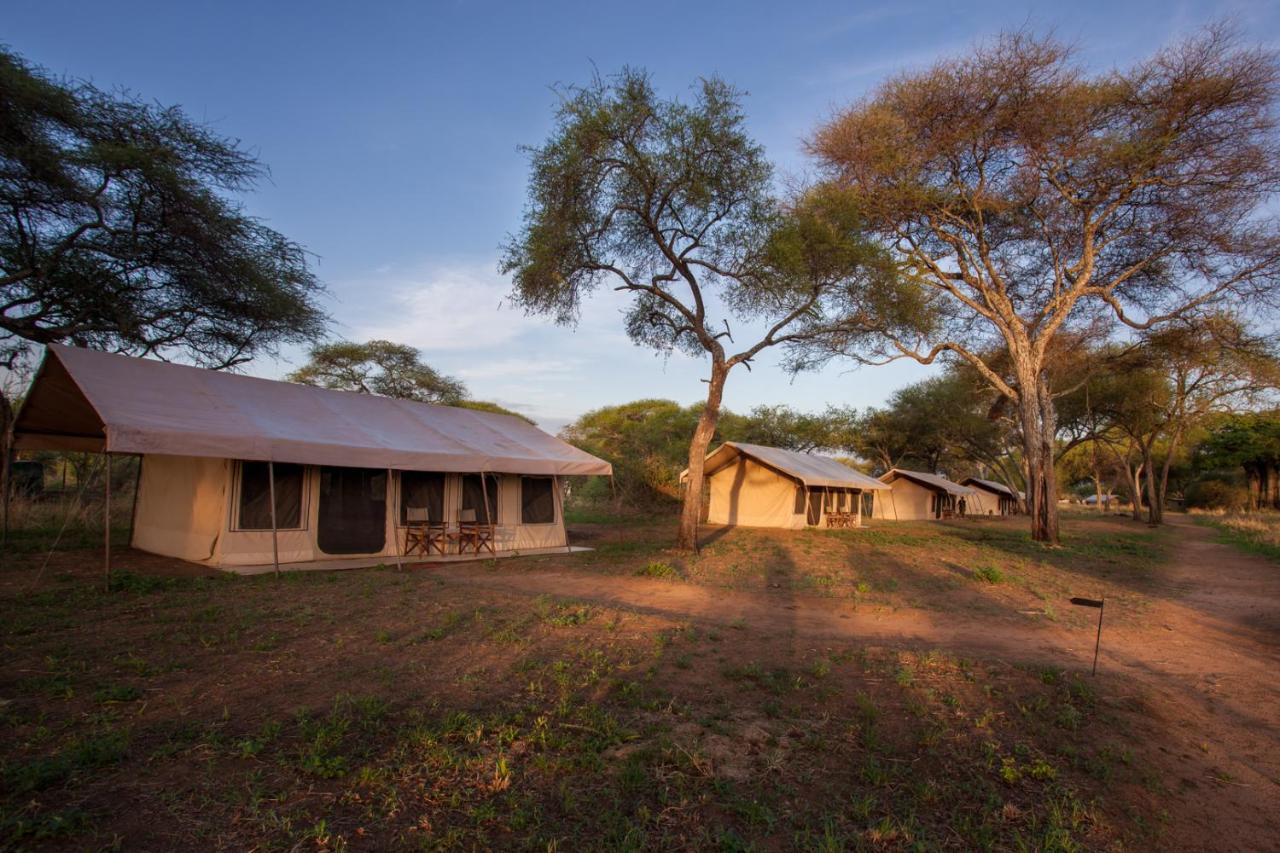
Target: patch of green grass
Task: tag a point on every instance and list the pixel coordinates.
(658, 569)
(116, 693)
(88, 752)
(988, 575)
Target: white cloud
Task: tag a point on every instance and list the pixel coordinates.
(445, 307)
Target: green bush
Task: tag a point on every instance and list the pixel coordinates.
(1217, 494)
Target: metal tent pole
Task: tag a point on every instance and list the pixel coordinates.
(106, 524)
(275, 539)
(395, 515)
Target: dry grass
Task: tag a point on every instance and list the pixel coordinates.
(1254, 531)
(976, 565)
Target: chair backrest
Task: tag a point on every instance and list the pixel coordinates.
(416, 513)
(466, 516)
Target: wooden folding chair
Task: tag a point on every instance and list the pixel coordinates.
(473, 534)
(421, 534)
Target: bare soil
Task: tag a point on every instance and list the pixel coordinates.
(783, 690)
(1201, 670)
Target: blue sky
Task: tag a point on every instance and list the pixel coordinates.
(392, 134)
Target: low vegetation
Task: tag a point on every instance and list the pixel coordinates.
(1258, 532)
(377, 709)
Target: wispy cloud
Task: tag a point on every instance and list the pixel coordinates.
(436, 308)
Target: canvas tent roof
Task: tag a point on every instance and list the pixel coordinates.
(88, 400)
(992, 486)
(812, 470)
(933, 481)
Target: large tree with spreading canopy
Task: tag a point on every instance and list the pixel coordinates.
(1033, 197)
(672, 203)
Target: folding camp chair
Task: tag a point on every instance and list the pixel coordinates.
(421, 534)
(474, 535)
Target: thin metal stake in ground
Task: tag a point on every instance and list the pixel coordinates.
(1098, 603)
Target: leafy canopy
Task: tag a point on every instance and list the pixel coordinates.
(119, 230)
(674, 202)
(383, 368)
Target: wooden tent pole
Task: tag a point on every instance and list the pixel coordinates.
(106, 524)
(395, 529)
(271, 494)
(857, 508)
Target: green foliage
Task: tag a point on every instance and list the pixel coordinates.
(1217, 494)
(658, 569)
(378, 367)
(988, 574)
(120, 229)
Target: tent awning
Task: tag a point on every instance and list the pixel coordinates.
(810, 469)
(86, 400)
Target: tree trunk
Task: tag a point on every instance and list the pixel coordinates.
(1135, 489)
(1039, 428)
(687, 539)
(1154, 515)
(6, 461)
(1162, 493)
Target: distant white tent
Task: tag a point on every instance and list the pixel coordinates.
(757, 486)
(993, 498)
(918, 495)
(347, 470)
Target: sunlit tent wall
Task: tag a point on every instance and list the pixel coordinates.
(756, 486)
(347, 467)
(991, 498)
(916, 495)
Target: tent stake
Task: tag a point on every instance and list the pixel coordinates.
(395, 530)
(106, 525)
(271, 493)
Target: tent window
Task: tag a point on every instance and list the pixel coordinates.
(537, 500)
(422, 490)
(799, 507)
(255, 496)
(473, 494)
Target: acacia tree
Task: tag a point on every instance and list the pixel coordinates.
(1032, 197)
(1174, 380)
(673, 203)
(119, 231)
(379, 367)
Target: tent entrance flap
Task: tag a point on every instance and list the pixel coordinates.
(352, 515)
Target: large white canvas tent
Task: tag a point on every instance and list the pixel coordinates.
(757, 486)
(992, 498)
(916, 495)
(345, 468)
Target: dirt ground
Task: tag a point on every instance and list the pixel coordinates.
(1203, 665)
(877, 688)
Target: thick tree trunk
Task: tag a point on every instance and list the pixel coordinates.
(6, 464)
(1154, 515)
(1039, 428)
(1162, 491)
(691, 511)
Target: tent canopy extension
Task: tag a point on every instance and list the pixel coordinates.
(758, 486)
(350, 470)
(93, 401)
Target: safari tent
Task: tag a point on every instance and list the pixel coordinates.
(916, 495)
(351, 473)
(992, 498)
(756, 486)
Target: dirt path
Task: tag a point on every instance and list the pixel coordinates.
(1200, 680)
